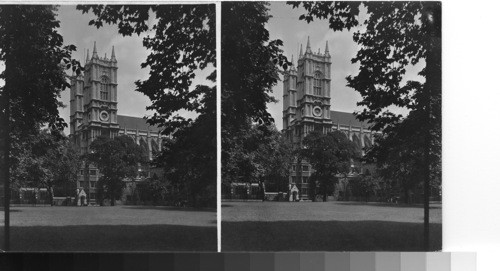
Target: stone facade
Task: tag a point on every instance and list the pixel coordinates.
(306, 108)
(94, 113)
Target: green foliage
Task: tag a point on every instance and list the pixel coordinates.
(46, 160)
(182, 41)
(189, 159)
(250, 63)
(250, 70)
(364, 186)
(259, 154)
(330, 155)
(116, 159)
(152, 189)
(35, 62)
(340, 14)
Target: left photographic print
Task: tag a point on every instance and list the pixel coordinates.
(108, 128)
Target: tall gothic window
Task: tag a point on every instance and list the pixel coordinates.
(104, 88)
(317, 83)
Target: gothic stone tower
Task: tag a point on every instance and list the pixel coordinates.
(93, 103)
(93, 109)
(306, 95)
(306, 106)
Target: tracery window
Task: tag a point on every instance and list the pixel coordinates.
(104, 88)
(317, 83)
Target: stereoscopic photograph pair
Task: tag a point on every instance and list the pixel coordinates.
(330, 127)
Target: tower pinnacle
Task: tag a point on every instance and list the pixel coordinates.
(113, 57)
(94, 54)
(327, 52)
(300, 54)
(308, 47)
(88, 57)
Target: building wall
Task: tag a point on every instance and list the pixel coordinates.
(306, 107)
(94, 113)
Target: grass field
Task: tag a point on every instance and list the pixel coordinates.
(117, 228)
(326, 226)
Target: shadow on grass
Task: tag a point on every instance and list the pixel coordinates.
(169, 208)
(99, 238)
(383, 204)
(327, 236)
(2, 209)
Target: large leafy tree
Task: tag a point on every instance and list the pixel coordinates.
(250, 63)
(250, 69)
(47, 160)
(261, 155)
(117, 159)
(330, 155)
(395, 36)
(189, 159)
(35, 58)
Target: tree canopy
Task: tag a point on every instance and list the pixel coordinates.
(46, 160)
(330, 155)
(261, 154)
(189, 159)
(116, 158)
(35, 60)
(250, 63)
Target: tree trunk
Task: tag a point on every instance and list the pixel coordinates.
(432, 92)
(6, 127)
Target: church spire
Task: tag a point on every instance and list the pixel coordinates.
(88, 57)
(308, 47)
(94, 54)
(327, 52)
(113, 58)
(300, 54)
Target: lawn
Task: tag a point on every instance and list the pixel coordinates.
(326, 226)
(111, 228)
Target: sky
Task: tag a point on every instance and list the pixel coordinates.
(129, 53)
(286, 26)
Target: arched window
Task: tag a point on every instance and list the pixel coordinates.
(317, 83)
(104, 88)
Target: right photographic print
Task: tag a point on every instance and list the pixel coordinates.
(331, 126)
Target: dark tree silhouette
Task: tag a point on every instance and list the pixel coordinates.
(35, 58)
(46, 160)
(250, 69)
(116, 159)
(330, 155)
